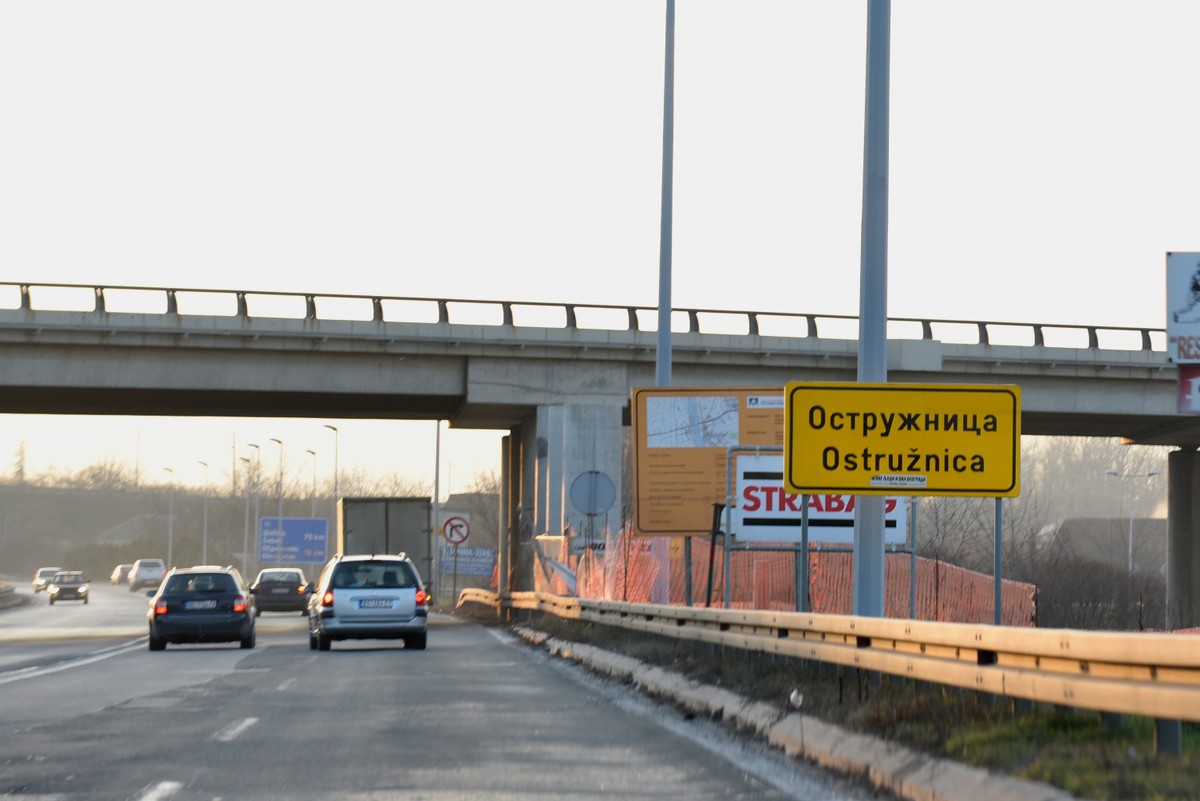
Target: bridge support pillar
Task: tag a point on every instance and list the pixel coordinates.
(548, 452)
(1183, 539)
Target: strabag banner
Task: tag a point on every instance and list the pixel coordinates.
(766, 512)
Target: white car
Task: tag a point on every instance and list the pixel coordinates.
(42, 577)
(146, 573)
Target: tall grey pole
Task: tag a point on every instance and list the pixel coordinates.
(257, 490)
(662, 372)
(246, 523)
(313, 498)
(337, 484)
(279, 491)
(663, 363)
(437, 509)
(204, 551)
(171, 521)
(872, 318)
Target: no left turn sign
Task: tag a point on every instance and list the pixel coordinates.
(455, 530)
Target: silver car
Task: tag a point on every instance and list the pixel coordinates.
(368, 597)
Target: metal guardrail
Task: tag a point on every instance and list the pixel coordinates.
(240, 306)
(1152, 675)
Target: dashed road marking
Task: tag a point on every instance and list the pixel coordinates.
(232, 731)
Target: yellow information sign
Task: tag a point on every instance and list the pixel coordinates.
(681, 442)
(902, 439)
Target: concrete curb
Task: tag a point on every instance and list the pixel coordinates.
(899, 770)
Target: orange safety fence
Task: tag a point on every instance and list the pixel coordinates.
(652, 570)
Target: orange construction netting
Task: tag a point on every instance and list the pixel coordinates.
(652, 570)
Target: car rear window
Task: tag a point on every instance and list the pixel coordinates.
(202, 582)
(280, 575)
(374, 575)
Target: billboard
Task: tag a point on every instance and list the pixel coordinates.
(1183, 307)
(681, 441)
(765, 512)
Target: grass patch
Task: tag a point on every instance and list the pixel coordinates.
(1073, 750)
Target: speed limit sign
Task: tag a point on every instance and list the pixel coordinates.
(455, 530)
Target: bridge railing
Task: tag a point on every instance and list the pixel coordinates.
(246, 305)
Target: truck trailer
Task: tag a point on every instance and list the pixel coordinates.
(388, 525)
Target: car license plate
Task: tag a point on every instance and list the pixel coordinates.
(375, 603)
(280, 590)
(199, 604)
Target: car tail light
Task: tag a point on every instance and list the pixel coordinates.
(327, 598)
(422, 598)
(239, 603)
(160, 608)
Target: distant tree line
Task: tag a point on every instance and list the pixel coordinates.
(103, 515)
(100, 516)
(1061, 478)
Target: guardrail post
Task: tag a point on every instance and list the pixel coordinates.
(1168, 737)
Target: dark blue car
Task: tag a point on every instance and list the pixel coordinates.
(201, 605)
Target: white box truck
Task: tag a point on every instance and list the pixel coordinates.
(388, 525)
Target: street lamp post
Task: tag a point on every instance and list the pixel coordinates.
(171, 520)
(337, 484)
(257, 487)
(279, 489)
(204, 547)
(313, 497)
(1129, 550)
(246, 524)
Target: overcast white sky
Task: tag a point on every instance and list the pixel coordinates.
(1043, 161)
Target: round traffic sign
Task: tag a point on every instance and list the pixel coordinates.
(593, 493)
(456, 530)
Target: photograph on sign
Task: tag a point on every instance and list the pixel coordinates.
(902, 439)
(682, 438)
(1183, 307)
(765, 512)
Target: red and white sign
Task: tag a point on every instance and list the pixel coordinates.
(1189, 389)
(456, 530)
(765, 512)
(1183, 307)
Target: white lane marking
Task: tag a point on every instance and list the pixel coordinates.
(230, 732)
(159, 791)
(29, 673)
(286, 683)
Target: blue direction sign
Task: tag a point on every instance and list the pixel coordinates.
(293, 540)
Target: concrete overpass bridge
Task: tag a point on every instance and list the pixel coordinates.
(557, 377)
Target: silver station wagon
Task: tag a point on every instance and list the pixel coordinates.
(368, 597)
